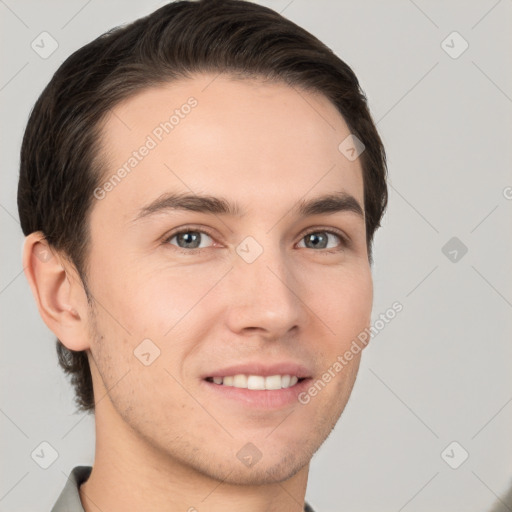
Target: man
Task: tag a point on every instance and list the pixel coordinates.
(199, 192)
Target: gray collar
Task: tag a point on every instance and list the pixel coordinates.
(69, 499)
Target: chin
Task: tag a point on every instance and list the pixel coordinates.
(264, 474)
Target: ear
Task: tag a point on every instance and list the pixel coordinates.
(58, 291)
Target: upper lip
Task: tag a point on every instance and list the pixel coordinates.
(260, 368)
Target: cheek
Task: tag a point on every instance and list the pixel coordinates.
(147, 301)
(170, 298)
(343, 301)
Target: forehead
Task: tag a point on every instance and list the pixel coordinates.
(252, 140)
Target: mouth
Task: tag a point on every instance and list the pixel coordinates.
(257, 382)
(256, 392)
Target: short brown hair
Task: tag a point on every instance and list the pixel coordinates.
(60, 166)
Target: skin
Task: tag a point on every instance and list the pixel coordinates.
(163, 442)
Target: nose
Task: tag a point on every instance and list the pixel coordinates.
(264, 296)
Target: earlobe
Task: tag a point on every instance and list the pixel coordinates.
(56, 289)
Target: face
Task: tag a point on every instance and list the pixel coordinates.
(244, 283)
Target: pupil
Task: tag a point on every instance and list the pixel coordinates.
(190, 237)
(315, 240)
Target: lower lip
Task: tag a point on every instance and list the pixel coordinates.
(260, 399)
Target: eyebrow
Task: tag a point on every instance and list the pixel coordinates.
(325, 204)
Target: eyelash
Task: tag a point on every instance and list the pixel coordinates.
(344, 242)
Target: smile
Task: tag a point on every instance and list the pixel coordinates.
(256, 382)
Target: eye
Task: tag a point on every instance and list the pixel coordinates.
(188, 238)
(319, 239)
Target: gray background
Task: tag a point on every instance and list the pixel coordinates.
(440, 371)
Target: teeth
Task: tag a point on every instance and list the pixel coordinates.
(240, 381)
(257, 382)
(273, 382)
